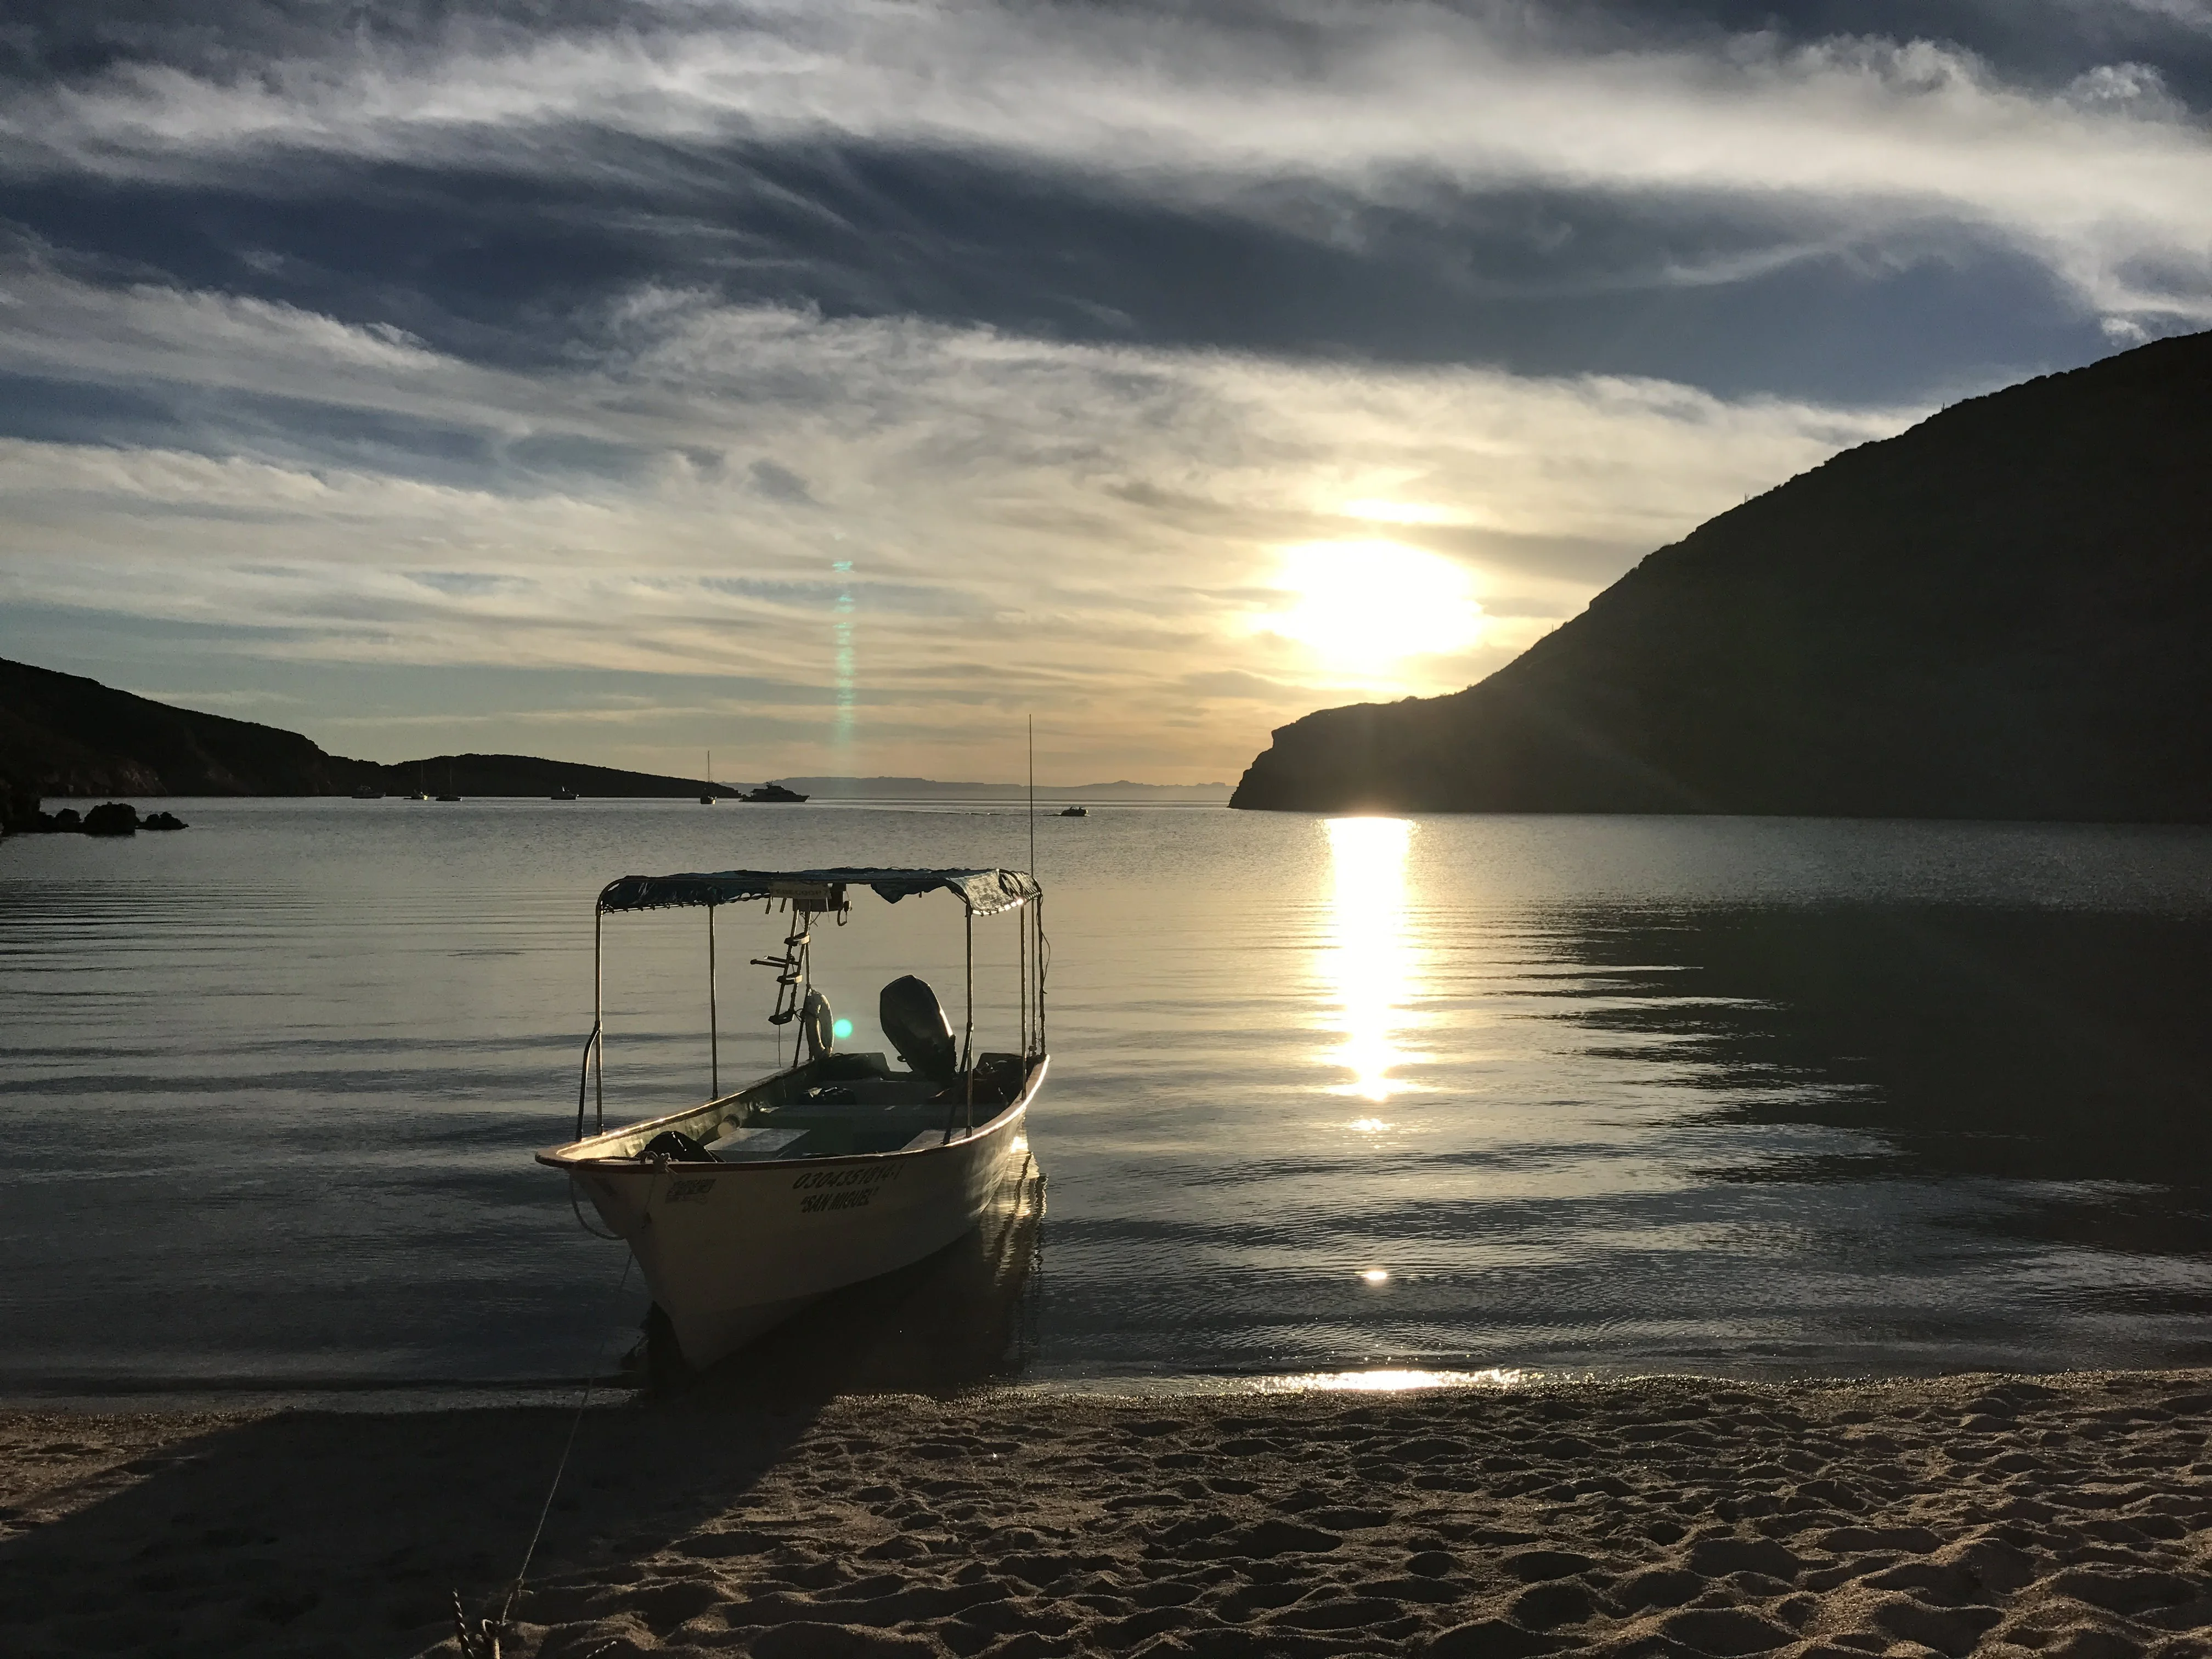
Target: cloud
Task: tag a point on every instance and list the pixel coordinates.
(581, 344)
(1082, 530)
(1305, 116)
(780, 483)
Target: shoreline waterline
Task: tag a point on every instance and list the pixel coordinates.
(737, 1387)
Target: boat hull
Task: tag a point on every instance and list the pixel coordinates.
(730, 1250)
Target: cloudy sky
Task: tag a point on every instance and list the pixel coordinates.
(835, 384)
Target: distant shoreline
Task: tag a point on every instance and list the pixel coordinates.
(68, 739)
(1059, 799)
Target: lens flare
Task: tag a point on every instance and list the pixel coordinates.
(841, 1029)
(842, 723)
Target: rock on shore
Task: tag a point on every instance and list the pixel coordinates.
(113, 818)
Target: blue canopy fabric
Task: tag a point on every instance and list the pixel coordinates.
(985, 892)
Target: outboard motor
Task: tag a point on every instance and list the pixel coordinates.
(914, 1019)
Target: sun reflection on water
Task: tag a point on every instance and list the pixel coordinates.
(1370, 959)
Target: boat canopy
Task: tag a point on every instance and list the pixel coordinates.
(985, 892)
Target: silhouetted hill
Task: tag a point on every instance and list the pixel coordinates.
(65, 735)
(61, 734)
(2002, 612)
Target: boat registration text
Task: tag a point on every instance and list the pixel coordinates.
(848, 1188)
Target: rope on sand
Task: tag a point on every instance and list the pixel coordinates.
(482, 1641)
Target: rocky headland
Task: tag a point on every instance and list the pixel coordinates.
(1999, 613)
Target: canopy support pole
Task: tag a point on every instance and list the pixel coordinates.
(599, 1023)
(583, 1078)
(713, 1031)
(968, 1041)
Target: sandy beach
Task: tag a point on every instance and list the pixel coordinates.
(2063, 1516)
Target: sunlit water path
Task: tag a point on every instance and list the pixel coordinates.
(1440, 1095)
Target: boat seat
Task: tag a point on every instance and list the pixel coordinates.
(842, 1067)
(872, 1091)
(933, 1136)
(746, 1145)
(850, 1137)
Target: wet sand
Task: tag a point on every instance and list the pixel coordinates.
(2067, 1516)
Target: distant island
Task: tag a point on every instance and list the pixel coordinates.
(65, 736)
(2002, 613)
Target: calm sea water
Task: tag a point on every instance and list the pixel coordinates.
(1447, 1095)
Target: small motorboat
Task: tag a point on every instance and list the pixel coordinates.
(1075, 811)
(836, 1167)
(564, 793)
(772, 793)
(368, 792)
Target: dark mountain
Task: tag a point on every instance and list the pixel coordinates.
(63, 735)
(2002, 612)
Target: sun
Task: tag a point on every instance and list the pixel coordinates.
(1364, 606)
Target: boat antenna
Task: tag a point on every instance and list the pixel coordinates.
(1029, 913)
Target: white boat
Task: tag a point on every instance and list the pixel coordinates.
(837, 1167)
